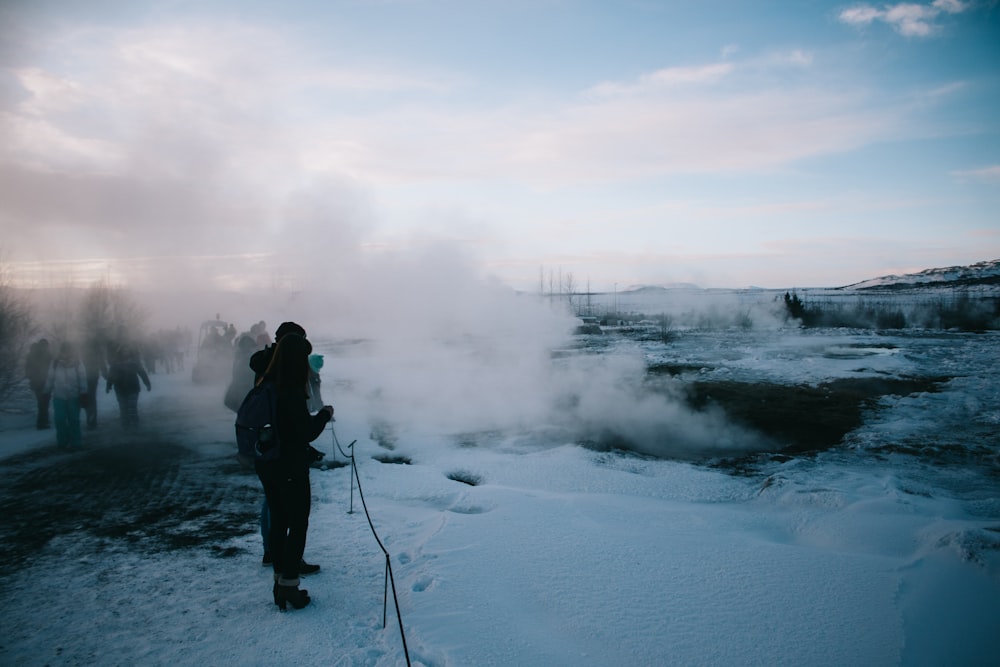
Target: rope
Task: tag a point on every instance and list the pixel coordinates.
(389, 579)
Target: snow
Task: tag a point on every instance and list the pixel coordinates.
(560, 555)
(980, 271)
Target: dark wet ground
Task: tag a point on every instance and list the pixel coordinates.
(150, 494)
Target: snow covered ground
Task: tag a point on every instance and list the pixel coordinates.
(512, 545)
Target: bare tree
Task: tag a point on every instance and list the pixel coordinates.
(569, 289)
(111, 313)
(15, 328)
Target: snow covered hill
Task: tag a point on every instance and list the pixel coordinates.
(978, 274)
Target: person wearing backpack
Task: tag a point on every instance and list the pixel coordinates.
(258, 363)
(286, 478)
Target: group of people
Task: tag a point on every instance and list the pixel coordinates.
(69, 381)
(292, 368)
(164, 349)
(70, 378)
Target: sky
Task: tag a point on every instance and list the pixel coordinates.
(725, 144)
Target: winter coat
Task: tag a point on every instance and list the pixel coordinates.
(66, 381)
(296, 429)
(37, 365)
(124, 376)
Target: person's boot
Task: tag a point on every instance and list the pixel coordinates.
(307, 568)
(286, 591)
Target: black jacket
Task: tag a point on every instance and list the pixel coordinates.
(36, 367)
(296, 429)
(124, 376)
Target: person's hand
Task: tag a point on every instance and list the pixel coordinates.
(328, 409)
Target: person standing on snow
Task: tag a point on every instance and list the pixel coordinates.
(123, 376)
(259, 362)
(96, 363)
(67, 383)
(243, 377)
(36, 369)
(286, 479)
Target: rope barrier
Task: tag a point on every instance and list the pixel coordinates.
(389, 579)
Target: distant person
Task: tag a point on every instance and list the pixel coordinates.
(95, 362)
(259, 332)
(124, 374)
(151, 353)
(67, 382)
(259, 362)
(243, 377)
(36, 369)
(185, 339)
(286, 480)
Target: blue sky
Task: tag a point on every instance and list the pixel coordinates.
(727, 144)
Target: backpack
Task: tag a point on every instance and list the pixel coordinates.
(256, 435)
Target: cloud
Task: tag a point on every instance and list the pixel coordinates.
(184, 132)
(224, 138)
(165, 141)
(666, 78)
(758, 113)
(909, 19)
(989, 174)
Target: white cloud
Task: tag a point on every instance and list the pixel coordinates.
(952, 6)
(623, 138)
(989, 174)
(157, 140)
(198, 109)
(666, 78)
(907, 18)
(911, 20)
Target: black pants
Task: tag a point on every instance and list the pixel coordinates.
(42, 421)
(91, 406)
(289, 498)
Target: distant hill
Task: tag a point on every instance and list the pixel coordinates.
(650, 289)
(973, 275)
(982, 274)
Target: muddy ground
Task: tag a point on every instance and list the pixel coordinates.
(152, 494)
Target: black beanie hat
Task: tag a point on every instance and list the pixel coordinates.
(289, 328)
